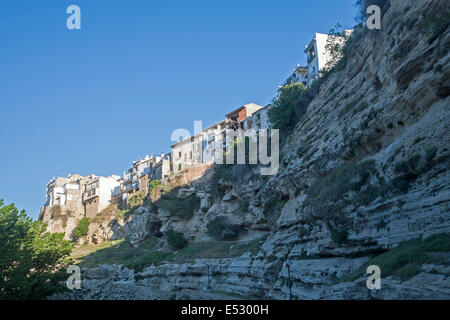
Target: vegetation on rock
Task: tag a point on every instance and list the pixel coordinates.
(82, 228)
(175, 239)
(221, 229)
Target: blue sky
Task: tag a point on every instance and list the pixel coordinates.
(92, 100)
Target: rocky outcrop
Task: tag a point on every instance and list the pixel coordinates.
(365, 169)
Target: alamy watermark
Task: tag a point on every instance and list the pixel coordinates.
(74, 280)
(374, 281)
(74, 20)
(374, 20)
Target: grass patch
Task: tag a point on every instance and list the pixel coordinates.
(121, 252)
(406, 260)
(112, 210)
(215, 249)
(146, 254)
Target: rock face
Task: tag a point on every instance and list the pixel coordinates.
(383, 121)
(61, 219)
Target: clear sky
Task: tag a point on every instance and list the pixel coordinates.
(92, 100)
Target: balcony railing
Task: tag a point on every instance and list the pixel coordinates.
(89, 195)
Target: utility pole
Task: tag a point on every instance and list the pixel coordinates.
(208, 275)
(288, 263)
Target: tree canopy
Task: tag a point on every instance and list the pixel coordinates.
(32, 261)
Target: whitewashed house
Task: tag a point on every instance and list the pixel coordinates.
(64, 191)
(98, 193)
(317, 58)
(317, 55)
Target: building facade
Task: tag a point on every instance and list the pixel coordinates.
(65, 192)
(98, 193)
(260, 119)
(317, 58)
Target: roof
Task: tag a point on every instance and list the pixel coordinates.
(252, 107)
(234, 111)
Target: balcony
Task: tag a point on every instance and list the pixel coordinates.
(90, 194)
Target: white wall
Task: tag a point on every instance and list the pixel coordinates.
(106, 188)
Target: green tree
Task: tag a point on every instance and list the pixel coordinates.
(32, 261)
(287, 107)
(176, 239)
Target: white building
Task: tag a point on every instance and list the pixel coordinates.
(260, 119)
(64, 191)
(317, 55)
(317, 58)
(201, 148)
(97, 195)
(298, 75)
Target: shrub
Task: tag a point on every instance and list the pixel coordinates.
(339, 181)
(350, 105)
(137, 200)
(328, 195)
(154, 184)
(243, 204)
(82, 228)
(339, 235)
(175, 239)
(303, 149)
(434, 27)
(273, 206)
(430, 153)
(408, 168)
(221, 229)
(182, 207)
(285, 111)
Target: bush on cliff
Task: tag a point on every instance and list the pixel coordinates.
(221, 229)
(284, 113)
(175, 239)
(32, 261)
(82, 228)
(182, 207)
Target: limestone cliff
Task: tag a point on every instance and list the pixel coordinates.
(366, 169)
